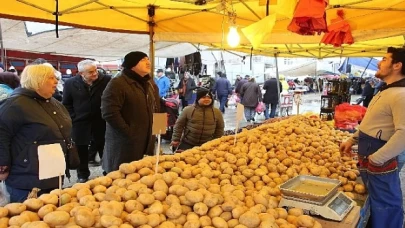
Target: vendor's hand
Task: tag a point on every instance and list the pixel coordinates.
(174, 143)
(346, 147)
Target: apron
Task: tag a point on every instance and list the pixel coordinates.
(383, 184)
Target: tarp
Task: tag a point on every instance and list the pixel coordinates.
(301, 70)
(100, 45)
(359, 62)
(177, 21)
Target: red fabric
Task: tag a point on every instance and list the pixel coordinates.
(339, 32)
(309, 17)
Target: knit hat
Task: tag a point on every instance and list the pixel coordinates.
(202, 92)
(159, 71)
(133, 58)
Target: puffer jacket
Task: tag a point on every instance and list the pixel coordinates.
(198, 125)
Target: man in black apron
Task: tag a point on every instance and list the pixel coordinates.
(381, 138)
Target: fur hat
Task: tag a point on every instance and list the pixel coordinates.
(133, 58)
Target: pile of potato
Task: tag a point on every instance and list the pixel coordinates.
(217, 185)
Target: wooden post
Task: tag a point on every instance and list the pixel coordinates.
(151, 13)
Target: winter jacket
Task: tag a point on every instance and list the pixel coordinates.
(222, 87)
(5, 91)
(127, 106)
(240, 84)
(27, 121)
(84, 105)
(251, 94)
(197, 125)
(163, 84)
(271, 96)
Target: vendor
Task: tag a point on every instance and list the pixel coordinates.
(199, 123)
(380, 141)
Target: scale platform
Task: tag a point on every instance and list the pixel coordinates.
(316, 196)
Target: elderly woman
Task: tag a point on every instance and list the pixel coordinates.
(30, 117)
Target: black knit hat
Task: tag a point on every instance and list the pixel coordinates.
(202, 92)
(133, 58)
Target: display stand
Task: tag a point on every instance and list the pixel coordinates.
(298, 99)
(336, 92)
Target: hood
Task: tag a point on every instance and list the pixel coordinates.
(27, 92)
(399, 83)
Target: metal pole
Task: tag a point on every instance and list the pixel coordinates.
(278, 82)
(368, 64)
(151, 22)
(2, 59)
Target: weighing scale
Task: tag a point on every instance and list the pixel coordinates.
(332, 205)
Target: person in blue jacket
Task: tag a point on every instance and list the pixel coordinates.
(163, 83)
(223, 90)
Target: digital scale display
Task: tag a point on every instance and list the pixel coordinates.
(339, 204)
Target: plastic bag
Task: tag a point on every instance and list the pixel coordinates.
(232, 100)
(260, 107)
(4, 196)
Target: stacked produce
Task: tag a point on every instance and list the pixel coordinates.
(252, 126)
(216, 185)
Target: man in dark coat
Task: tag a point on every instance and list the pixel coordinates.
(82, 98)
(223, 90)
(127, 105)
(271, 97)
(238, 87)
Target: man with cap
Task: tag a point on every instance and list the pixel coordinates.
(162, 82)
(127, 106)
(199, 123)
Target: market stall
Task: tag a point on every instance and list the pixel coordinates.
(220, 184)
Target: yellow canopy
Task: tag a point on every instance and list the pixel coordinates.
(179, 21)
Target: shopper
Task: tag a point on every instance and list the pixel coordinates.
(163, 83)
(251, 95)
(127, 105)
(271, 97)
(82, 98)
(30, 117)
(380, 141)
(199, 123)
(223, 90)
(185, 89)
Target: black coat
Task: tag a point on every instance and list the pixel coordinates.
(128, 110)
(84, 105)
(251, 94)
(271, 96)
(27, 120)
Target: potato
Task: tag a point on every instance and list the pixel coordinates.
(194, 196)
(153, 220)
(18, 220)
(306, 221)
(127, 168)
(57, 218)
(348, 187)
(219, 222)
(174, 211)
(84, 218)
(359, 188)
(249, 219)
(31, 215)
(167, 224)
(33, 204)
(200, 209)
(137, 219)
(155, 208)
(15, 208)
(295, 212)
(36, 224)
(3, 212)
(45, 210)
(4, 222)
(192, 224)
(109, 220)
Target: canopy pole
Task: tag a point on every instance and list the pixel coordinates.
(2, 59)
(278, 84)
(368, 64)
(151, 23)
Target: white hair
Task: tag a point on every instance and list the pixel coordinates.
(34, 76)
(82, 64)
